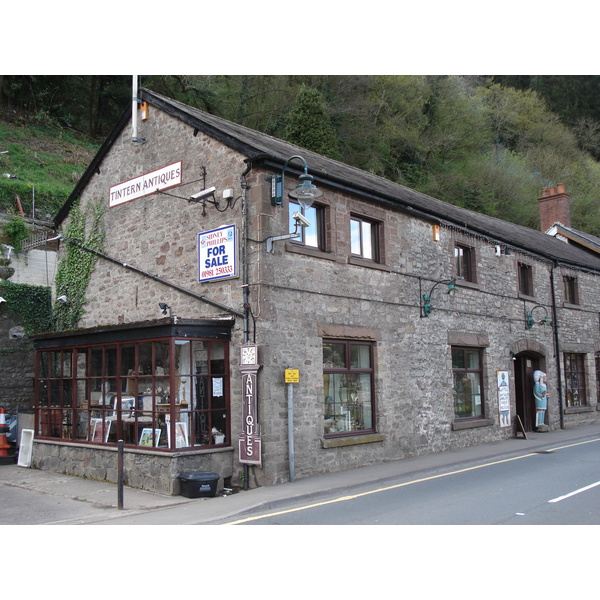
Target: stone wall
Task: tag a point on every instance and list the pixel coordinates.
(16, 368)
(143, 469)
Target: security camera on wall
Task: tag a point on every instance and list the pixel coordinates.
(203, 194)
(301, 219)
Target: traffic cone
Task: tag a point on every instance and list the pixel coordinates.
(4, 446)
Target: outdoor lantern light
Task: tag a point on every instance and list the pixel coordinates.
(305, 193)
(530, 320)
(426, 308)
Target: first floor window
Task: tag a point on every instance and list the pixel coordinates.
(312, 236)
(571, 294)
(467, 388)
(464, 261)
(364, 239)
(575, 379)
(525, 279)
(348, 387)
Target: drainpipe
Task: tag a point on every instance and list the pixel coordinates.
(557, 349)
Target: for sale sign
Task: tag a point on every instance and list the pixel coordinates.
(217, 254)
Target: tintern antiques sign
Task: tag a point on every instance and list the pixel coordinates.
(249, 440)
(146, 184)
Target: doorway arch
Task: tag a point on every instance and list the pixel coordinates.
(524, 365)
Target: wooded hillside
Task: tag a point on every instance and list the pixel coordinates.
(488, 143)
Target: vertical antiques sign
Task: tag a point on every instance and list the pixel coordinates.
(503, 398)
(249, 440)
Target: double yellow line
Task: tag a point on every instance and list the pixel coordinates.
(398, 485)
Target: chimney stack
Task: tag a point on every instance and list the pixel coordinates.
(554, 206)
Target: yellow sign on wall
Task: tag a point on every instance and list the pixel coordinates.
(292, 376)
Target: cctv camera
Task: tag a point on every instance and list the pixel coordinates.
(203, 194)
(2, 300)
(301, 219)
(62, 299)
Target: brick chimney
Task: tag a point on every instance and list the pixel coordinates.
(554, 207)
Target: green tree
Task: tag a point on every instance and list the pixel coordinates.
(309, 125)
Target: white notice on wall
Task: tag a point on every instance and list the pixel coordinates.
(217, 384)
(217, 254)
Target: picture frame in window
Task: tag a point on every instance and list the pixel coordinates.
(101, 431)
(181, 433)
(148, 436)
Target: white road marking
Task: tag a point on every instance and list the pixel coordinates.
(583, 489)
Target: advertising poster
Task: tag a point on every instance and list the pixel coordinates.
(503, 398)
(217, 254)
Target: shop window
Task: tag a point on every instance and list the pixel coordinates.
(464, 262)
(348, 387)
(166, 394)
(575, 379)
(525, 279)
(364, 238)
(571, 294)
(312, 236)
(467, 387)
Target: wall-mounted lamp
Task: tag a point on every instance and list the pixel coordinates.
(301, 221)
(164, 307)
(531, 320)
(305, 193)
(435, 230)
(426, 307)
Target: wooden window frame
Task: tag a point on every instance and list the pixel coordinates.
(575, 379)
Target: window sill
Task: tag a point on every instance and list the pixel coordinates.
(573, 410)
(468, 424)
(363, 262)
(352, 440)
(307, 251)
(468, 284)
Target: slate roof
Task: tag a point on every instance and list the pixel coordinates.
(260, 148)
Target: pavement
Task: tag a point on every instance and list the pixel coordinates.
(84, 501)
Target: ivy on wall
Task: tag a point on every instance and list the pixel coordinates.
(75, 268)
(29, 304)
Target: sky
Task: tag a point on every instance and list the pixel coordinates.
(436, 37)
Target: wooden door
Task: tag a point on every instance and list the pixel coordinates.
(525, 364)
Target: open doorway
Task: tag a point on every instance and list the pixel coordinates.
(525, 363)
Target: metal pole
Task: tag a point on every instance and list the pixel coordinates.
(291, 429)
(120, 452)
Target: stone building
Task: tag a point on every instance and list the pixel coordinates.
(222, 333)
